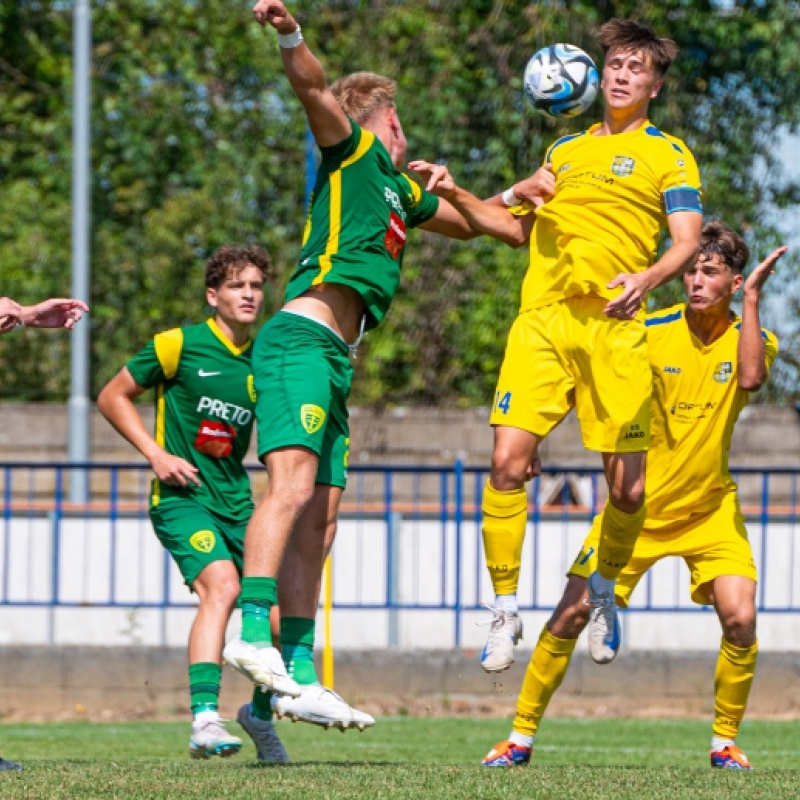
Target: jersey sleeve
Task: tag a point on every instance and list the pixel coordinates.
(419, 204)
(680, 179)
(336, 153)
(158, 360)
(770, 348)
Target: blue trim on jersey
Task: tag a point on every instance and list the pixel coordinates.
(764, 335)
(562, 140)
(682, 198)
(674, 317)
(651, 130)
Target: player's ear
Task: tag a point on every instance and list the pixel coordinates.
(211, 297)
(738, 280)
(656, 89)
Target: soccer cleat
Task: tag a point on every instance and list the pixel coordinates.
(263, 666)
(507, 754)
(603, 628)
(321, 706)
(730, 757)
(9, 766)
(269, 747)
(504, 633)
(211, 739)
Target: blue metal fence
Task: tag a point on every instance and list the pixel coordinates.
(409, 539)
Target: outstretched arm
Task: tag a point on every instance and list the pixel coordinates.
(482, 217)
(751, 354)
(327, 120)
(116, 405)
(57, 312)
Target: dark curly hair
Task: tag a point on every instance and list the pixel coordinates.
(628, 35)
(230, 259)
(718, 238)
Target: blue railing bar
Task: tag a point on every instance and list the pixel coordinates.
(113, 500)
(444, 516)
(56, 546)
(762, 571)
(7, 478)
(459, 501)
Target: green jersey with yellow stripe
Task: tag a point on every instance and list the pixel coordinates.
(205, 402)
(360, 211)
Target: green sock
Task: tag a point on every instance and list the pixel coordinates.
(297, 649)
(260, 704)
(258, 597)
(204, 686)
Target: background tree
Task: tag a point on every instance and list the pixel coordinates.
(198, 140)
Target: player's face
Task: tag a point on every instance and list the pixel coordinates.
(238, 300)
(711, 283)
(629, 81)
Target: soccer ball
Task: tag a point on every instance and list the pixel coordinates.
(561, 80)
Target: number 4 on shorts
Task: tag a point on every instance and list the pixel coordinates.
(503, 403)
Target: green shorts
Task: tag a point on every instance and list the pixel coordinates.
(302, 376)
(196, 537)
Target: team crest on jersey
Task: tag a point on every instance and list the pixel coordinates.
(203, 541)
(622, 166)
(312, 417)
(723, 372)
(251, 388)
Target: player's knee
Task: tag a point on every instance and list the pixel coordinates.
(739, 625)
(224, 592)
(568, 621)
(509, 469)
(628, 499)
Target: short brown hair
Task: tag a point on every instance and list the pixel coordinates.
(363, 93)
(628, 35)
(717, 238)
(231, 259)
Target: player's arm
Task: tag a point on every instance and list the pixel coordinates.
(753, 367)
(328, 122)
(10, 314)
(116, 405)
(57, 312)
(480, 216)
(684, 230)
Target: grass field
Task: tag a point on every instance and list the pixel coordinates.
(402, 757)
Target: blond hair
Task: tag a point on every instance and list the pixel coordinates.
(628, 35)
(363, 93)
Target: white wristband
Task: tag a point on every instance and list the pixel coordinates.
(289, 40)
(509, 198)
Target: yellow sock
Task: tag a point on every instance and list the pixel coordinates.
(618, 534)
(505, 516)
(546, 670)
(733, 678)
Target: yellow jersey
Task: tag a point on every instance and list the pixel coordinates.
(696, 402)
(612, 197)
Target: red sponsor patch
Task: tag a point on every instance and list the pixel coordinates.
(215, 439)
(395, 235)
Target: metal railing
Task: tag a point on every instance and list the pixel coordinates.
(409, 539)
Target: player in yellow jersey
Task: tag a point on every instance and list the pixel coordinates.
(593, 215)
(705, 362)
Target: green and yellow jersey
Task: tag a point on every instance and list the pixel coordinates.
(612, 198)
(358, 218)
(205, 402)
(696, 402)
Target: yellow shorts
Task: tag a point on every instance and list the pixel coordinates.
(571, 354)
(712, 544)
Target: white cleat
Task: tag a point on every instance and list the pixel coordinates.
(603, 628)
(504, 633)
(211, 739)
(269, 747)
(321, 706)
(263, 666)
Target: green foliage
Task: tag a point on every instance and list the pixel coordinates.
(197, 140)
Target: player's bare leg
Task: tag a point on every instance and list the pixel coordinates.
(515, 461)
(299, 590)
(546, 670)
(217, 587)
(292, 473)
(623, 518)
(733, 597)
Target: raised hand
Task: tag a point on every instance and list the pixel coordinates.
(438, 179)
(274, 13)
(758, 277)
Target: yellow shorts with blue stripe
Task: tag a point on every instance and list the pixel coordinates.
(570, 354)
(711, 544)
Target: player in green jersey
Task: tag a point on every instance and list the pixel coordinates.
(56, 312)
(360, 212)
(201, 499)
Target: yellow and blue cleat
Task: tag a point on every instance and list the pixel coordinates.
(730, 757)
(507, 754)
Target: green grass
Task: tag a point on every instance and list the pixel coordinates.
(401, 758)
